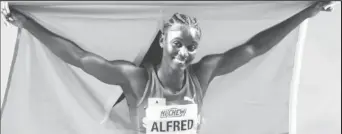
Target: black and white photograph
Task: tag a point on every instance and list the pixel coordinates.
(170, 67)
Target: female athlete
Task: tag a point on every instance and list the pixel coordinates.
(166, 96)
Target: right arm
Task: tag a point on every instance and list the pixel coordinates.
(63, 48)
(110, 72)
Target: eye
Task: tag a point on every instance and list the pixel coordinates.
(192, 48)
(177, 44)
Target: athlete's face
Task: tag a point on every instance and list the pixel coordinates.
(179, 45)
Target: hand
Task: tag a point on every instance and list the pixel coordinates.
(314, 9)
(15, 18)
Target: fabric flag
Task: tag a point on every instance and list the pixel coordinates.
(48, 96)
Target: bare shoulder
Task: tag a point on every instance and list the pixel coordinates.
(204, 69)
(207, 65)
(136, 78)
(117, 72)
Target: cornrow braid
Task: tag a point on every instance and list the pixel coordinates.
(181, 19)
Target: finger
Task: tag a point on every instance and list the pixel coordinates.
(7, 20)
(4, 7)
(4, 14)
(329, 9)
(330, 5)
(4, 20)
(9, 17)
(4, 11)
(7, 7)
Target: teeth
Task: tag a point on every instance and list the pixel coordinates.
(179, 61)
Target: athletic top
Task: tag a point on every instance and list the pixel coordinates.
(159, 111)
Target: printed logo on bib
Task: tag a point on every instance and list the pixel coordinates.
(170, 119)
(173, 112)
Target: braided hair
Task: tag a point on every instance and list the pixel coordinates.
(182, 19)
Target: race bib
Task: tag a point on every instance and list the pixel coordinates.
(172, 119)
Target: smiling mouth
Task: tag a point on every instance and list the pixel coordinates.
(177, 60)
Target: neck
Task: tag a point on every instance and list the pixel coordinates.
(170, 78)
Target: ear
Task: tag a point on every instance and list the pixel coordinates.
(161, 40)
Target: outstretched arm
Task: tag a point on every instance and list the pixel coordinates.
(219, 64)
(63, 48)
(110, 72)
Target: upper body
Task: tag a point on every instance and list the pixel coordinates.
(175, 78)
(188, 100)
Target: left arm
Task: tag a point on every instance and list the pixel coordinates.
(219, 64)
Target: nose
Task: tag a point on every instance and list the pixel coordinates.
(183, 53)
